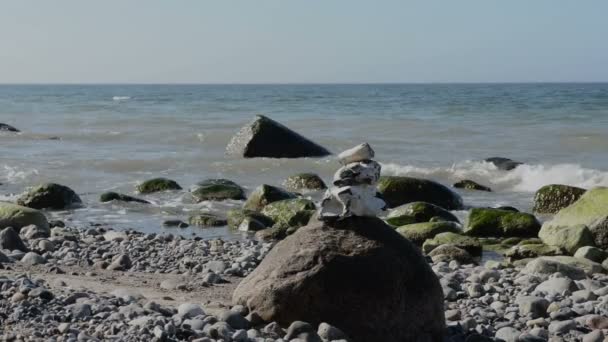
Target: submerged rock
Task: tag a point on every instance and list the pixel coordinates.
(500, 223)
(471, 185)
(17, 216)
(421, 212)
(207, 220)
(552, 198)
(264, 137)
(420, 232)
(50, 196)
(398, 190)
(357, 262)
(501, 163)
(218, 190)
(264, 195)
(157, 184)
(114, 196)
(8, 128)
(305, 181)
(590, 210)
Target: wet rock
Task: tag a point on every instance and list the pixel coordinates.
(467, 243)
(569, 239)
(421, 212)
(50, 196)
(502, 163)
(264, 195)
(402, 190)
(114, 196)
(157, 185)
(264, 137)
(207, 220)
(218, 190)
(305, 181)
(420, 232)
(8, 128)
(552, 198)
(17, 216)
(448, 253)
(236, 217)
(471, 185)
(290, 212)
(175, 223)
(500, 223)
(533, 250)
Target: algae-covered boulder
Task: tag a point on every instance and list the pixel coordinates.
(552, 198)
(398, 190)
(264, 137)
(50, 196)
(447, 253)
(305, 181)
(207, 220)
(266, 194)
(569, 238)
(8, 128)
(500, 223)
(17, 216)
(157, 185)
(402, 220)
(420, 232)
(236, 216)
(218, 190)
(590, 210)
(469, 244)
(114, 196)
(471, 185)
(288, 213)
(422, 212)
(526, 251)
(502, 163)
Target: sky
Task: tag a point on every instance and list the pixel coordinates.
(303, 41)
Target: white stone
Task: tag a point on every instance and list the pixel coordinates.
(356, 154)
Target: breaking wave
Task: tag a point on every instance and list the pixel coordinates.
(121, 98)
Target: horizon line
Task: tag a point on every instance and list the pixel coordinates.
(289, 83)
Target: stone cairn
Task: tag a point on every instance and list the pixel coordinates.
(354, 187)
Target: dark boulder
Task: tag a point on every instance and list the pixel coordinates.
(218, 190)
(398, 190)
(504, 164)
(50, 196)
(264, 137)
(114, 196)
(421, 212)
(471, 185)
(10, 240)
(8, 128)
(264, 195)
(207, 220)
(158, 184)
(358, 274)
(554, 197)
(305, 181)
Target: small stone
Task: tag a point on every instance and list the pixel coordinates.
(561, 327)
(189, 310)
(508, 334)
(328, 332)
(594, 336)
(80, 311)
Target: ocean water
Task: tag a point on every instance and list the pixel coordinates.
(95, 138)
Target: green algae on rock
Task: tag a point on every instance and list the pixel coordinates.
(398, 190)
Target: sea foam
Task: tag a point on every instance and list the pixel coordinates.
(121, 98)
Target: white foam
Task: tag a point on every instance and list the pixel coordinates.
(121, 98)
(13, 174)
(524, 178)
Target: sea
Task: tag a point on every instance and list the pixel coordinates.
(96, 138)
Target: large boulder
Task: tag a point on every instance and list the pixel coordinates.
(554, 197)
(8, 128)
(500, 223)
(590, 210)
(264, 137)
(359, 275)
(305, 181)
(568, 238)
(158, 184)
(502, 163)
(205, 220)
(50, 196)
(421, 212)
(218, 190)
(264, 195)
(398, 190)
(17, 216)
(420, 232)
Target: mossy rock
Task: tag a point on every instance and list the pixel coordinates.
(447, 253)
(266, 194)
(501, 163)
(500, 223)
(50, 196)
(402, 190)
(287, 213)
(590, 210)
(532, 251)
(16, 216)
(305, 181)
(468, 243)
(422, 212)
(157, 185)
(236, 217)
(420, 232)
(114, 196)
(250, 224)
(402, 220)
(552, 198)
(207, 220)
(471, 185)
(218, 190)
(568, 238)
(531, 241)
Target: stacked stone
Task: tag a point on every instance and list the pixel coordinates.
(354, 190)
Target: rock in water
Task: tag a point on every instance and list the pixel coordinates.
(591, 210)
(500, 223)
(305, 181)
(552, 198)
(264, 137)
(218, 190)
(8, 128)
(501, 163)
(264, 195)
(17, 216)
(158, 184)
(471, 185)
(401, 190)
(50, 196)
(361, 263)
(114, 196)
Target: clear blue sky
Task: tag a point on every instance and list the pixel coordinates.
(290, 41)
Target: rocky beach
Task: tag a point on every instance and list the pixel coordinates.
(435, 266)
